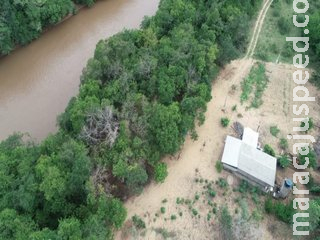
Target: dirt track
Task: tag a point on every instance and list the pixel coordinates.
(257, 28)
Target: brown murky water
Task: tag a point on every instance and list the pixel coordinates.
(37, 81)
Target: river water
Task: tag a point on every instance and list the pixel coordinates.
(37, 81)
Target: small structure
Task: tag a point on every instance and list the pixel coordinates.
(285, 189)
(246, 161)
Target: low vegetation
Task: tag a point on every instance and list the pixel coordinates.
(219, 166)
(254, 85)
(160, 172)
(225, 122)
(283, 144)
(308, 153)
(284, 161)
(269, 150)
(138, 222)
(279, 25)
(308, 124)
(274, 130)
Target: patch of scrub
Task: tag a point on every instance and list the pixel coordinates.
(254, 85)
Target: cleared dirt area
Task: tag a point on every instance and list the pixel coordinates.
(199, 158)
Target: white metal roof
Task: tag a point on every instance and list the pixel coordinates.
(258, 164)
(250, 160)
(250, 137)
(231, 151)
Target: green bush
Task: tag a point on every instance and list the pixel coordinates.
(283, 144)
(222, 183)
(160, 172)
(219, 166)
(284, 161)
(311, 125)
(194, 212)
(244, 186)
(212, 193)
(268, 205)
(163, 210)
(274, 130)
(225, 122)
(173, 217)
(284, 25)
(284, 212)
(269, 150)
(138, 222)
(311, 155)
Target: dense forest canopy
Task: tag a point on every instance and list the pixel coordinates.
(139, 96)
(21, 21)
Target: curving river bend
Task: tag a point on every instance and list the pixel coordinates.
(37, 81)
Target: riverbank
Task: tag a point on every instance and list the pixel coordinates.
(77, 9)
(38, 80)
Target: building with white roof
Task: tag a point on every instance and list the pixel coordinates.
(246, 161)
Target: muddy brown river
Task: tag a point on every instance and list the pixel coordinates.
(37, 81)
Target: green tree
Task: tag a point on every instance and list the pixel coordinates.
(69, 229)
(164, 127)
(160, 172)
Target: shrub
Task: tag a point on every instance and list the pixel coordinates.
(310, 122)
(225, 122)
(226, 224)
(257, 215)
(222, 183)
(219, 166)
(284, 161)
(163, 210)
(173, 217)
(283, 144)
(268, 205)
(234, 108)
(194, 212)
(312, 158)
(244, 186)
(284, 212)
(212, 193)
(138, 222)
(269, 150)
(274, 130)
(160, 172)
(284, 25)
(179, 200)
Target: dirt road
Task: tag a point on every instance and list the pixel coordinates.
(257, 28)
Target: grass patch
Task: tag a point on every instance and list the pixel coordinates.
(254, 85)
(278, 24)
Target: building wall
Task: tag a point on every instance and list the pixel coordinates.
(243, 175)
